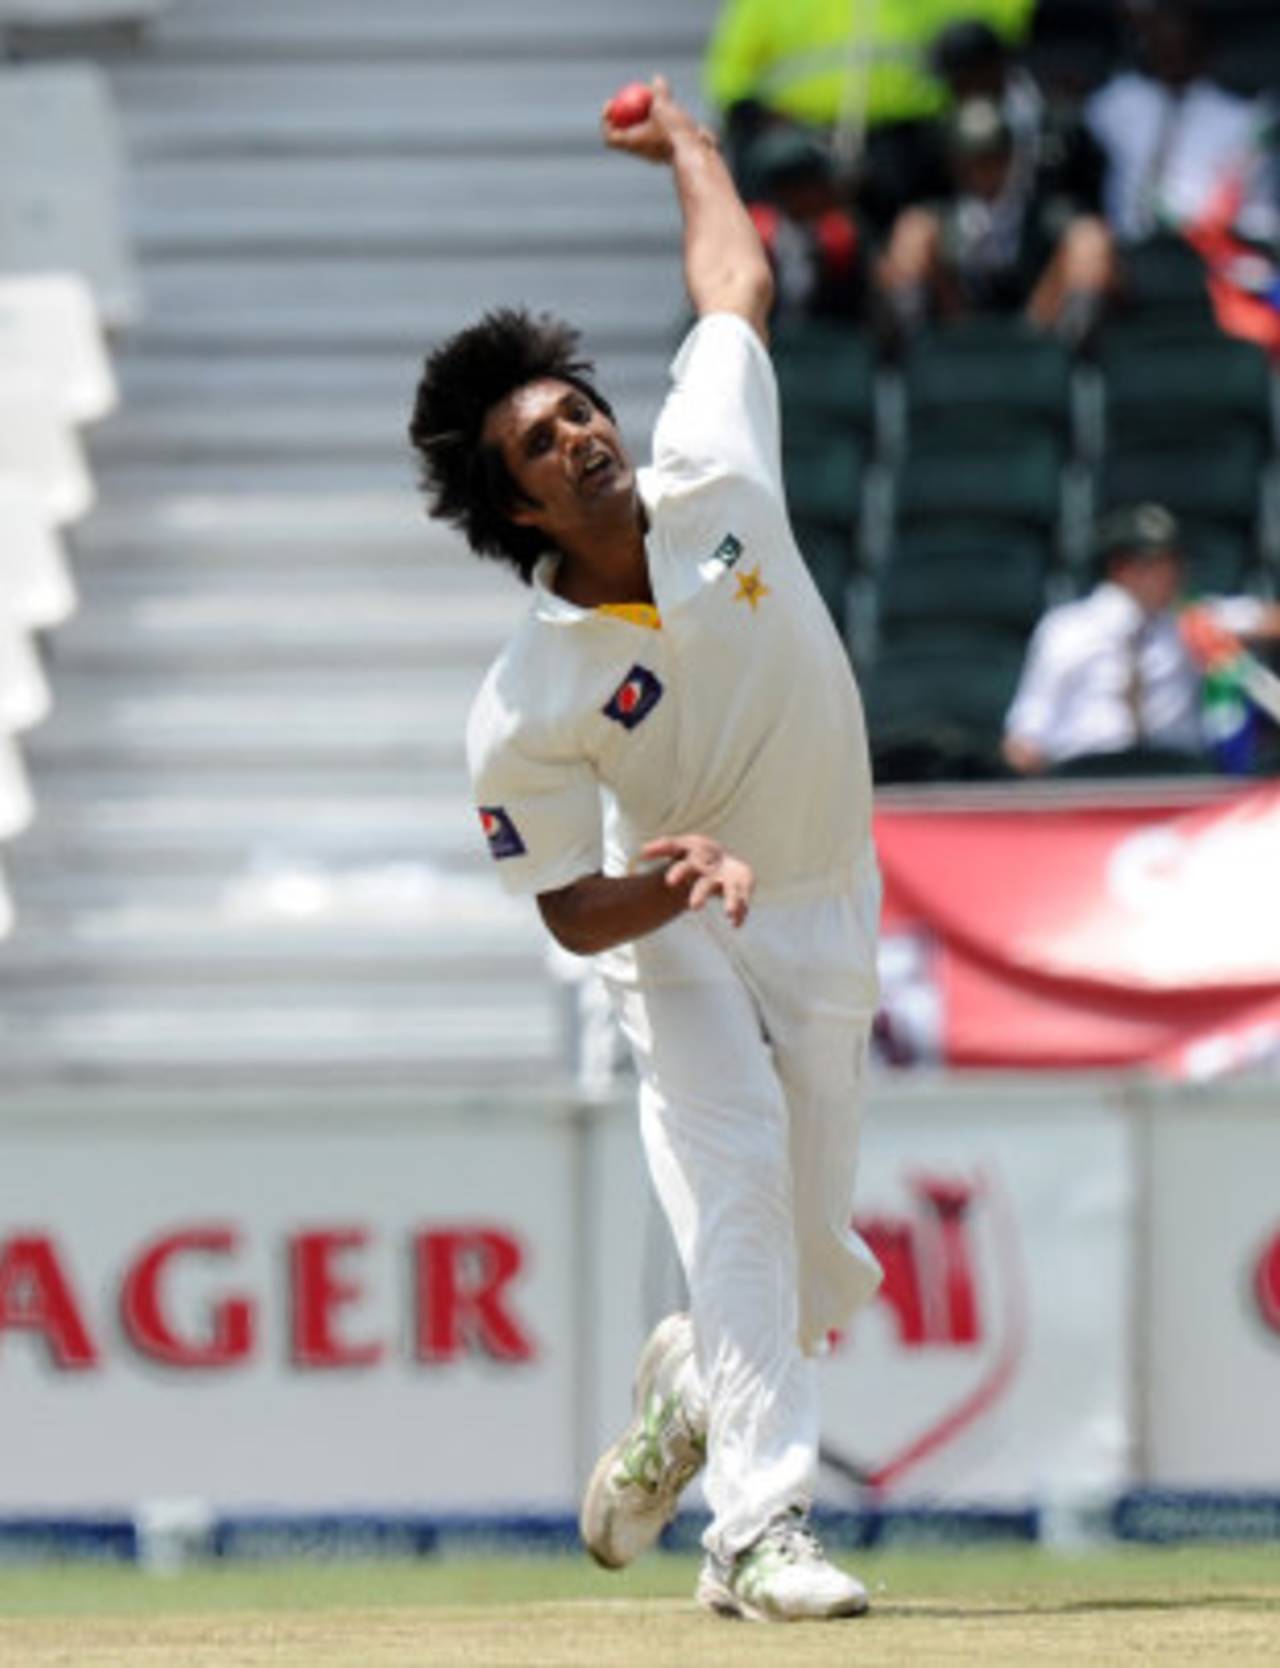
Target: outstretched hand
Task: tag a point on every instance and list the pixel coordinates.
(653, 139)
(1208, 643)
(707, 870)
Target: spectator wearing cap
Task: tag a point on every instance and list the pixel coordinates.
(813, 239)
(1049, 139)
(1115, 671)
(1007, 241)
(1170, 134)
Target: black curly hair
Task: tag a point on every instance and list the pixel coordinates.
(467, 482)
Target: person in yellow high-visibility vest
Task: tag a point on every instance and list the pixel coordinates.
(856, 67)
(797, 58)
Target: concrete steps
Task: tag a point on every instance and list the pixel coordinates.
(254, 859)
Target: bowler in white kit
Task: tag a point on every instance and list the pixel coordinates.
(670, 756)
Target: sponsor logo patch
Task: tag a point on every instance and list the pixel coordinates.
(634, 698)
(728, 550)
(501, 833)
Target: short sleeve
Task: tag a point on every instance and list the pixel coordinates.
(540, 815)
(1243, 616)
(1033, 711)
(721, 416)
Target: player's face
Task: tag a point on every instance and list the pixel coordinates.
(564, 454)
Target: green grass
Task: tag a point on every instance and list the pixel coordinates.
(1209, 1607)
(1023, 1574)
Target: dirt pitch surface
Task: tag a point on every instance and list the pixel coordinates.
(1210, 1608)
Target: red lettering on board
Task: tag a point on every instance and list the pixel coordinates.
(949, 1203)
(36, 1296)
(1266, 1284)
(148, 1323)
(464, 1295)
(930, 1283)
(894, 1244)
(319, 1292)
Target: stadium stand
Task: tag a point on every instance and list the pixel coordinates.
(255, 854)
(37, 583)
(827, 383)
(251, 781)
(77, 14)
(36, 446)
(62, 203)
(1073, 44)
(977, 467)
(24, 689)
(1244, 38)
(49, 328)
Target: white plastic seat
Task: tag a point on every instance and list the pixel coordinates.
(34, 574)
(24, 689)
(49, 331)
(17, 807)
(38, 446)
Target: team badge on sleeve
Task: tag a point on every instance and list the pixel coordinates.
(728, 550)
(501, 833)
(634, 698)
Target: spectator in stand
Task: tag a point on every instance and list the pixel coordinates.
(801, 61)
(1238, 238)
(1050, 140)
(1119, 669)
(1010, 239)
(813, 240)
(1170, 135)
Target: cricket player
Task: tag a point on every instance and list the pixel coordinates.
(670, 756)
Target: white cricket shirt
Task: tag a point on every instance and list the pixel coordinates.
(737, 718)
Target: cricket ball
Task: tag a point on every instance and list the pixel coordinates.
(630, 104)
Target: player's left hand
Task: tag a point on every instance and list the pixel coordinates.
(706, 869)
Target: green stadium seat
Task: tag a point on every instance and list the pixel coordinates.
(971, 575)
(1162, 383)
(1073, 45)
(936, 702)
(1245, 51)
(1164, 278)
(1016, 479)
(1219, 558)
(996, 373)
(823, 469)
(829, 557)
(825, 373)
(1134, 761)
(1217, 480)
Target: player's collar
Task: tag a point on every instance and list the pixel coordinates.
(547, 604)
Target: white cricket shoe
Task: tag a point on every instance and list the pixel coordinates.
(637, 1483)
(783, 1577)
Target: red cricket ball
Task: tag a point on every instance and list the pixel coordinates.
(630, 104)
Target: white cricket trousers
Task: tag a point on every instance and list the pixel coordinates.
(751, 1048)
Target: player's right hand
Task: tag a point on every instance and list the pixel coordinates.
(707, 870)
(1208, 643)
(654, 138)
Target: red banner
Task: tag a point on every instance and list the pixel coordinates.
(1088, 936)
